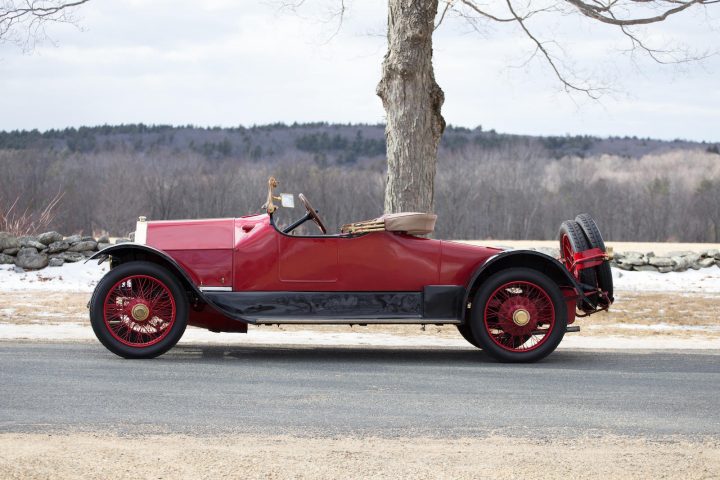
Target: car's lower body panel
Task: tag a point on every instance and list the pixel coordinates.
(435, 304)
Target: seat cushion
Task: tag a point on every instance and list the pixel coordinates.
(413, 223)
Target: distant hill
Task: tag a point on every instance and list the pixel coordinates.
(325, 143)
(488, 184)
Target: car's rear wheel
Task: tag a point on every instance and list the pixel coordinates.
(139, 310)
(467, 334)
(519, 315)
(572, 241)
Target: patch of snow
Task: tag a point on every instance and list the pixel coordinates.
(660, 327)
(45, 331)
(264, 336)
(83, 332)
(705, 280)
(72, 277)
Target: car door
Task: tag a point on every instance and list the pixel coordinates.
(387, 262)
(308, 263)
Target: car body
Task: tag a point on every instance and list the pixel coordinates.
(225, 274)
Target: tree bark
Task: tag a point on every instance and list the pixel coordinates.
(412, 100)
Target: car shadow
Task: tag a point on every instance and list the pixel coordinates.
(364, 355)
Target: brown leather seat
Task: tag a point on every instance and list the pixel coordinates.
(413, 223)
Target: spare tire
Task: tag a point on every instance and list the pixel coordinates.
(602, 271)
(573, 240)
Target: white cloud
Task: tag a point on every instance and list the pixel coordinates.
(224, 62)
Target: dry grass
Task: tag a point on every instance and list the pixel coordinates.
(27, 222)
(46, 307)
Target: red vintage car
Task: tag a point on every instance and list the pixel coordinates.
(224, 274)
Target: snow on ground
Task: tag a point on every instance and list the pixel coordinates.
(71, 277)
(269, 336)
(82, 277)
(705, 280)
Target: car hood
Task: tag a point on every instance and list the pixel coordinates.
(205, 234)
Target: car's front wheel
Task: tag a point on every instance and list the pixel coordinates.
(139, 310)
(519, 315)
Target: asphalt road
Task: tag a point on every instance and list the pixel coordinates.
(336, 391)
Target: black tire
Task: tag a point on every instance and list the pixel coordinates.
(490, 286)
(594, 238)
(155, 272)
(467, 334)
(578, 242)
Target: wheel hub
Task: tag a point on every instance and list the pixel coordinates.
(140, 312)
(518, 315)
(521, 317)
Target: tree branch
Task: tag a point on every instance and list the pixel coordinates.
(339, 14)
(448, 5)
(623, 14)
(597, 11)
(569, 85)
(32, 15)
(473, 6)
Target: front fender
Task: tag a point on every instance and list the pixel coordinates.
(130, 250)
(125, 252)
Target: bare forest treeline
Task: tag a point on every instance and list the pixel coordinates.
(488, 185)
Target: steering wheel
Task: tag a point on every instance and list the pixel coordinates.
(312, 213)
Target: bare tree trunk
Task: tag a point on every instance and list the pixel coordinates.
(412, 101)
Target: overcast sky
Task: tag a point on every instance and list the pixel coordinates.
(226, 62)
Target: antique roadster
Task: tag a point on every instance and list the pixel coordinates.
(224, 274)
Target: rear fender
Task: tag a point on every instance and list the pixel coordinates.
(525, 259)
(128, 252)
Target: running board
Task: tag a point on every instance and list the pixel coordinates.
(436, 304)
(573, 328)
(354, 321)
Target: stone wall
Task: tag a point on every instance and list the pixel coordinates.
(49, 249)
(52, 249)
(670, 262)
(649, 262)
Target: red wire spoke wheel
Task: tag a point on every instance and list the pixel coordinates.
(567, 252)
(519, 315)
(139, 310)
